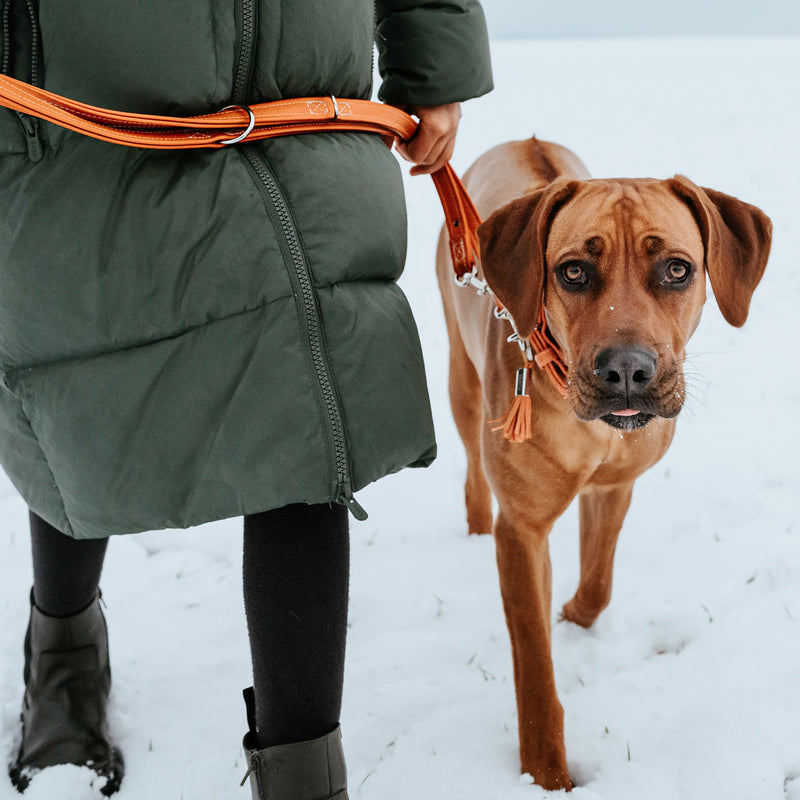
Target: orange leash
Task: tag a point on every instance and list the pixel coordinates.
(239, 123)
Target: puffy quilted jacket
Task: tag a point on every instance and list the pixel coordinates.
(193, 335)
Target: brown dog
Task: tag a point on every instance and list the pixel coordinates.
(620, 266)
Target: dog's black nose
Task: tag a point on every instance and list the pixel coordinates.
(626, 370)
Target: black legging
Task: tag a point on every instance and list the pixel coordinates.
(296, 580)
(66, 571)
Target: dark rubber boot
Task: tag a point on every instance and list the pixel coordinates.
(67, 683)
(312, 770)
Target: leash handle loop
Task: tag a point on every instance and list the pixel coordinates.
(265, 121)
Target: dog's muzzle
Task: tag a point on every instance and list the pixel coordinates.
(625, 389)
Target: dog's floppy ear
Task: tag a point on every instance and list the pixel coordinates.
(513, 242)
(737, 238)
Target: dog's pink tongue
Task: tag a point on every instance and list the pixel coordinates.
(628, 412)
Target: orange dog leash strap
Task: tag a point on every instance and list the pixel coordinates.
(228, 126)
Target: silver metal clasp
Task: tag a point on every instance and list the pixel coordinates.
(524, 344)
(472, 279)
(247, 131)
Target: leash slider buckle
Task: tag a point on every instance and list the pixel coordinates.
(251, 123)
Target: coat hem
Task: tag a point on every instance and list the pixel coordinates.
(423, 460)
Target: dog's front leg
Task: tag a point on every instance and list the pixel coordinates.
(523, 560)
(603, 509)
(467, 406)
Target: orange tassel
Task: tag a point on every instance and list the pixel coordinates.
(516, 426)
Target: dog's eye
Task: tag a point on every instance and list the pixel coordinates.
(573, 272)
(677, 271)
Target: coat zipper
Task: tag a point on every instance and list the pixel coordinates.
(30, 125)
(300, 275)
(248, 9)
(5, 37)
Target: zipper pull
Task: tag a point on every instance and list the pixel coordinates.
(344, 496)
(31, 127)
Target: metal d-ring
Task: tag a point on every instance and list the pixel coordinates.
(247, 131)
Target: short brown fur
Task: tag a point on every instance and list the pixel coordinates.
(542, 211)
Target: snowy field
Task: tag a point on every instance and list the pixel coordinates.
(688, 687)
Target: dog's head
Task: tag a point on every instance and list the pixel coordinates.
(621, 267)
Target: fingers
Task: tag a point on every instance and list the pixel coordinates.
(433, 144)
(430, 148)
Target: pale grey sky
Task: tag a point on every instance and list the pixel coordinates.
(548, 18)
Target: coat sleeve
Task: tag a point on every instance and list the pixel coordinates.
(432, 52)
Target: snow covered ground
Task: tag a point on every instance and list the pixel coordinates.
(689, 684)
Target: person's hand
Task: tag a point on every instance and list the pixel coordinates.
(433, 143)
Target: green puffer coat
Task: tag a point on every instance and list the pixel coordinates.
(193, 335)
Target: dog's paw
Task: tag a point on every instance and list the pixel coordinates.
(479, 523)
(552, 781)
(574, 611)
